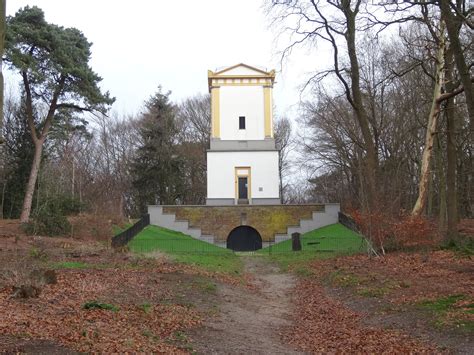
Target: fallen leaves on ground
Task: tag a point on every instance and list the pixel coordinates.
(57, 314)
(408, 277)
(324, 325)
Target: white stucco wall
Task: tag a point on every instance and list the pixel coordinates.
(221, 173)
(238, 101)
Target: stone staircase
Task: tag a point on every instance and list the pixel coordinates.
(318, 220)
(168, 220)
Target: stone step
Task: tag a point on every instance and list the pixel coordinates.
(169, 221)
(281, 237)
(319, 219)
(194, 232)
(293, 229)
(307, 225)
(207, 238)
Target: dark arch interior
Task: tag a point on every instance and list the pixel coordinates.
(244, 238)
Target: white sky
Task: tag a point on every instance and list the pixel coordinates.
(138, 45)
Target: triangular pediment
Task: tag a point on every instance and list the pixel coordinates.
(241, 69)
(240, 74)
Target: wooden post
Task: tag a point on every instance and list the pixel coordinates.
(295, 242)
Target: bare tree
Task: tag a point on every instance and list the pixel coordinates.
(194, 118)
(284, 142)
(336, 23)
(2, 47)
(455, 16)
(431, 129)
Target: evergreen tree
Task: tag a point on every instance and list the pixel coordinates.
(156, 166)
(18, 152)
(53, 63)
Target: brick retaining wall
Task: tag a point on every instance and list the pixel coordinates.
(219, 221)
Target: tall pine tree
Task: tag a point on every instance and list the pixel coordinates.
(156, 167)
(53, 63)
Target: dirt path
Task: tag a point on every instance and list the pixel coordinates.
(15, 345)
(249, 322)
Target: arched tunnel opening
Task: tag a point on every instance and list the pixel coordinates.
(244, 238)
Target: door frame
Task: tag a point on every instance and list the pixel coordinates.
(243, 171)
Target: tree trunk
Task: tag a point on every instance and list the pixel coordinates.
(451, 190)
(121, 207)
(30, 187)
(38, 139)
(451, 156)
(371, 161)
(3, 199)
(442, 186)
(453, 25)
(2, 46)
(73, 180)
(431, 128)
(280, 175)
(429, 209)
(425, 173)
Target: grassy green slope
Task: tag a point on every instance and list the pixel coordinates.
(324, 242)
(185, 249)
(332, 238)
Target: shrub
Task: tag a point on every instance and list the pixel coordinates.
(51, 217)
(68, 205)
(464, 244)
(388, 232)
(48, 221)
(92, 226)
(25, 277)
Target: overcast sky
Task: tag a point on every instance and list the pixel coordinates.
(140, 44)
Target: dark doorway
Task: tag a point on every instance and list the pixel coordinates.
(243, 188)
(244, 238)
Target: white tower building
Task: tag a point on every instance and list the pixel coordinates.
(242, 162)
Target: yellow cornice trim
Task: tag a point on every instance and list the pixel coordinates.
(240, 84)
(218, 75)
(242, 76)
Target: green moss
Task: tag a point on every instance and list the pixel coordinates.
(467, 325)
(343, 279)
(280, 219)
(98, 305)
(146, 307)
(442, 304)
(76, 265)
(72, 265)
(303, 271)
(373, 291)
(205, 285)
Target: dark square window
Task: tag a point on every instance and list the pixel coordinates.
(242, 122)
